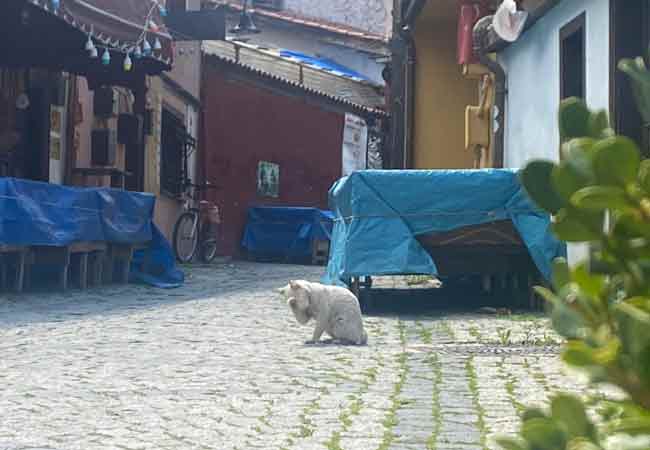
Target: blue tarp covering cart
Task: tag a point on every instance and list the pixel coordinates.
(285, 232)
(382, 215)
(42, 214)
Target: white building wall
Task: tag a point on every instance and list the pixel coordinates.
(533, 68)
(532, 65)
(370, 15)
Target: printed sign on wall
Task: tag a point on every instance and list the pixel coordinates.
(355, 143)
(268, 179)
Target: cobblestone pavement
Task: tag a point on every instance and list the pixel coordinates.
(220, 364)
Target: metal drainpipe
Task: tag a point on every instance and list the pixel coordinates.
(406, 33)
(480, 34)
(409, 96)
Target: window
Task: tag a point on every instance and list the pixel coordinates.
(269, 4)
(175, 146)
(572, 59)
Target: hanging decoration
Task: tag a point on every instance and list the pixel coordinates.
(106, 58)
(128, 63)
(141, 46)
(146, 47)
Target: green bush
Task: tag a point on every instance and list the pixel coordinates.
(598, 194)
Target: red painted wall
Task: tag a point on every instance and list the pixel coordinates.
(245, 124)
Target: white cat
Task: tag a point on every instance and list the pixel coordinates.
(335, 309)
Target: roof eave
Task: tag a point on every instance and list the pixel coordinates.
(351, 106)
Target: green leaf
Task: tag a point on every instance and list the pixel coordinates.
(644, 175)
(543, 434)
(643, 303)
(640, 77)
(533, 413)
(536, 179)
(561, 273)
(574, 119)
(511, 444)
(571, 226)
(589, 283)
(599, 126)
(607, 353)
(634, 326)
(632, 426)
(582, 444)
(547, 295)
(579, 354)
(570, 412)
(579, 153)
(566, 321)
(617, 161)
(600, 198)
(631, 225)
(566, 179)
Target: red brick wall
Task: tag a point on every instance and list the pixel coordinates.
(245, 124)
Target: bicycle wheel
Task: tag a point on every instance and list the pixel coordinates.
(186, 237)
(209, 245)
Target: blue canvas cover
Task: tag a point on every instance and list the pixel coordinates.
(156, 265)
(285, 231)
(380, 213)
(34, 213)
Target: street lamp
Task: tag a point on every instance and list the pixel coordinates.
(246, 24)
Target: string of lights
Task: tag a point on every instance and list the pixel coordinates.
(133, 50)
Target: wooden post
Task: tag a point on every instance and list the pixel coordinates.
(21, 261)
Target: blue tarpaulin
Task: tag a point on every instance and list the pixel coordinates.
(323, 63)
(285, 231)
(156, 265)
(41, 214)
(380, 213)
(35, 213)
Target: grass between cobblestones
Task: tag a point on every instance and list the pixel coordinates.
(437, 413)
(390, 421)
(480, 411)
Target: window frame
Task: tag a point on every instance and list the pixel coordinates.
(183, 143)
(577, 25)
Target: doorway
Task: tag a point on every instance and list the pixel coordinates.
(630, 36)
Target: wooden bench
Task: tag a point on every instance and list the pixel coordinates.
(320, 252)
(19, 255)
(88, 257)
(117, 261)
(81, 256)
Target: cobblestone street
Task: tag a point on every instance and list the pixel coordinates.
(221, 364)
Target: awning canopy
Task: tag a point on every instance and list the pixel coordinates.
(34, 34)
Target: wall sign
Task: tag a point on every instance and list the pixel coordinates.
(268, 179)
(355, 144)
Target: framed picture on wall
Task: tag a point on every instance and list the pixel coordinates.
(268, 179)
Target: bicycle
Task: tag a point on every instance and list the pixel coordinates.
(198, 226)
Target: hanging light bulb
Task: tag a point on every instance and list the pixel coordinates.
(157, 45)
(146, 47)
(93, 52)
(106, 58)
(137, 52)
(55, 4)
(89, 44)
(128, 63)
(163, 10)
